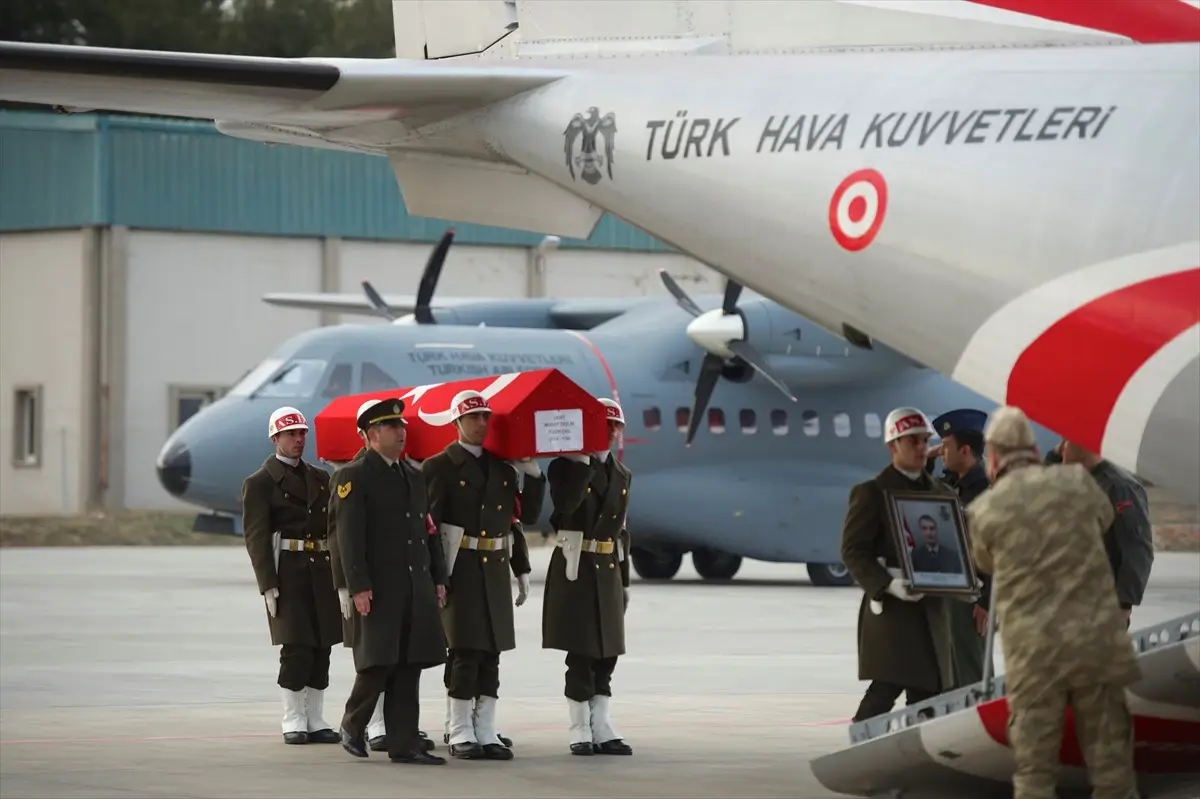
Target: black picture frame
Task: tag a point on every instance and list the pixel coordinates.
(909, 517)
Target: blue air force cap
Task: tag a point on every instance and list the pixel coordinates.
(960, 420)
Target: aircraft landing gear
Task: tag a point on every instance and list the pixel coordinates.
(829, 574)
(712, 564)
(658, 564)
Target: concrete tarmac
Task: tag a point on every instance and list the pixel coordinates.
(148, 672)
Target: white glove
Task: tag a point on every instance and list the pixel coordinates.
(527, 465)
(344, 601)
(522, 589)
(578, 457)
(898, 588)
(269, 597)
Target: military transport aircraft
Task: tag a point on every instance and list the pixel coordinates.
(785, 417)
(1030, 164)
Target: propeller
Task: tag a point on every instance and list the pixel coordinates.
(721, 333)
(422, 312)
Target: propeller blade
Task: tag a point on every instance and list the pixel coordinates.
(429, 279)
(377, 301)
(681, 297)
(733, 291)
(750, 355)
(710, 372)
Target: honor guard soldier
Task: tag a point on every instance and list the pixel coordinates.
(587, 585)
(284, 518)
(393, 583)
(962, 454)
(903, 638)
(471, 498)
(1038, 531)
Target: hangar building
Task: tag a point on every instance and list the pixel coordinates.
(134, 252)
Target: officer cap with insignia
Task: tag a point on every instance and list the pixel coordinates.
(962, 420)
(375, 412)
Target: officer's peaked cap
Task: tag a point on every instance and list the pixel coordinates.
(1009, 428)
(961, 420)
(375, 412)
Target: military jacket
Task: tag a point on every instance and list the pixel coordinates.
(586, 616)
(478, 495)
(909, 643)
(969, 487)
(292, 501)
(1129, 540)
(1039, 531)
(383, 547)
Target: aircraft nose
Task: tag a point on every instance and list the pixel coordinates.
(175, 468)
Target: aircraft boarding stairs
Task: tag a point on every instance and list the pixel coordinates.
(955, 745)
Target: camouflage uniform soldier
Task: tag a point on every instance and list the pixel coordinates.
(283, 515)
(903, 638)
(1038, 532)
(586, 595)
(471, 498)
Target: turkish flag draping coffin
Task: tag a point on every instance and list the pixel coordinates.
(534, 414)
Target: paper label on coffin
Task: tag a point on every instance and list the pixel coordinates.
(534, 414)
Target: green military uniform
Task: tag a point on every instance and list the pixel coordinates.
(472, 496)
(583, 612)
(291, 500)
(1038, 532)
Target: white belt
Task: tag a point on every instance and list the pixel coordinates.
(484, 544)
(303, 545)
(593, 546)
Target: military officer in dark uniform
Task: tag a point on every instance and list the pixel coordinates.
(394, 583)
(471, 499)
(903, 638)
(587, 585)
(283, 516)
(962, 454)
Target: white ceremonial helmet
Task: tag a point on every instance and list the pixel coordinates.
(612, 411)
(905, 422)
(467, 402)
(286, 418)
(363, 408)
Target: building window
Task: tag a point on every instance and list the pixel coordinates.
(779, 424)
(651, 419)
(186, 401)
(841, 425)
(748, 421)
(812, 423)
(873, 426)
(682, 415)
(716, 421)
(27, 426)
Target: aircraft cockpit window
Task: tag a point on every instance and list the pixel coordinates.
(841, 425)
(716, 421)
(779, 423)
(812, 424)
(682, 416)
(748, 421)
(296, 380)
(339, 382)
(651, 419)
(873, 426)
(375, 379)
(255, 377)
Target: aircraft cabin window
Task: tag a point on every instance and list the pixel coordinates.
(682, 416)
(651, 419)
(297, 380)
(779, 423)
(841, 425)
(339, 382)
(716, 421)
(812, 423)
(873, 426)
(748, 421)
(375, 379)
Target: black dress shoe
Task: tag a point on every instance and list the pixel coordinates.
(418, 757)
(325, 736)
(426, 741)
(584, 748)
(497, 752)
(378, 743)
(505, 740)
(355, 746)
(467, 751)
(295, 737)
(614, 747)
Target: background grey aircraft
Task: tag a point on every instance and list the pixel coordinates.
(746, 423)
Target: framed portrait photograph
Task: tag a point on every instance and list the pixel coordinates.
(930, 536)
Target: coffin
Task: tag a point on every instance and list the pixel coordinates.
(534, 414)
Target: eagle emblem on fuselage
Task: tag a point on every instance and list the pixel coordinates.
(585, 129)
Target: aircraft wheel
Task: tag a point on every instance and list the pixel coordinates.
(656, 565)
(712, 564)
(829, 574)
